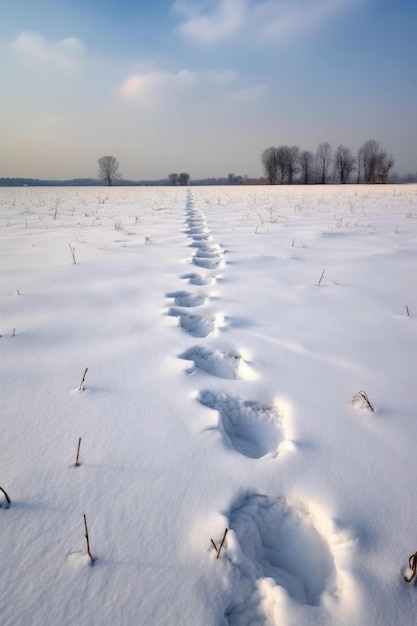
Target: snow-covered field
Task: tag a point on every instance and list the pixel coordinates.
(222, 364)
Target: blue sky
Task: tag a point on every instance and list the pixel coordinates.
(201, 85)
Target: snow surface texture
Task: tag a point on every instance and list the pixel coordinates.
(225, 389)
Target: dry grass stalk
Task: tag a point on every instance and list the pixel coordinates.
(412, 564)
(87, 540)
(6, 496)
(81, 387)
(72, 253)
(218, 549)
(321, 277)
(361, 399)
(78, 453)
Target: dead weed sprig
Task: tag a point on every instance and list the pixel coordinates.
(218, 549)
(6, 496)
(81, 387)
(321, 278)
(361, 400)
(72, 253)
(87, 540)
(412, 564)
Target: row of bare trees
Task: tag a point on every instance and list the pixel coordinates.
(179, 179)
(286, 165)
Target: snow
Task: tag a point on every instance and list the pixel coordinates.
(221, 392)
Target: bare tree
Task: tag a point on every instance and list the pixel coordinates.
(374, 163)
(269, 162)
(108, 169)
(183, 179)
(367, 158)
(173, 179)
(383, 167)
(344, 164)
(323, 162)
(306, 161)
(293, 153)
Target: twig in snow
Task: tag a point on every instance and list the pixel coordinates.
(81, 387)
(78, 453)
(6, 496)
(412, 564)
(218, 549)
(322, 274)
(87, 540)
(361, 399)
(73, 253)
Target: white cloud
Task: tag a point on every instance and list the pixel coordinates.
(34, 48)
(147, 87)
(226, 18)
(208, 22)
(155, 87)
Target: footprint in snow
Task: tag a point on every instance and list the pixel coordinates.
(187, 299)
(208, 252)
(198, 279)
(195, 325)
(221, 364)
(201, 237)
(207, 263)
(277, 547)
(197, 230)
(254, 429)
(196, 221)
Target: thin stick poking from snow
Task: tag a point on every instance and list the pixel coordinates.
(412, 563)
(87, 539)
(81, 387)
(72, 252)
(218, 549)
(5, 495)
(78, 453)
(322, 274)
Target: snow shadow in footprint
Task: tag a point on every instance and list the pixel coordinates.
(254, 429)
(207, 263)
(279, 542)
(195, 325)
(197, 230)
(198, 279)
(208, 252)
(187, 299)
(201, 237)
(220, 364)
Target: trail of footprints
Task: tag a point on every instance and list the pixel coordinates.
(275, 544)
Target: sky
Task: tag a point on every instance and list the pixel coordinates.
(201, 86)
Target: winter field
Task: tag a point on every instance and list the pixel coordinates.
(220, 394)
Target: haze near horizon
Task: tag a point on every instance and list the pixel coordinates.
(201, 87)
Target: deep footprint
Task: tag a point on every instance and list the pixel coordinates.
(216, 363)
(187, 299)
(198, 279)
(254, 429)
(195, 325)
(279, 542)
(207, 264)
(208, 252)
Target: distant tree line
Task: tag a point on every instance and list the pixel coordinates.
(286, 165)
(179, 179)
